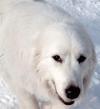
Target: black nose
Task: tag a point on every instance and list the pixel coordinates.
(72, 92)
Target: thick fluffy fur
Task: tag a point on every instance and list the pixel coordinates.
(30, 34)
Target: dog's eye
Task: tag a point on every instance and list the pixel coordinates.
(81, 59)
(57, 58)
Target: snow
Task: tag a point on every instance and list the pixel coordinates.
(88, 13)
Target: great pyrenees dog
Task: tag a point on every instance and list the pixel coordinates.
(46, 57)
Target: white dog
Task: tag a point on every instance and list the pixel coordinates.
(46, 56)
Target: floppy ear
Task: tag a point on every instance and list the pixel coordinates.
(93, 59)
(36, 57)
(37, 50)
(94, 54)
(91, 68)
(87, 81)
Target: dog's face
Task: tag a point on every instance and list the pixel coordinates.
(66, 62)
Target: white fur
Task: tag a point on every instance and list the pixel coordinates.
(30, 34)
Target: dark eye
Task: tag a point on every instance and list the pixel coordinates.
(57, 58)
(81, 59)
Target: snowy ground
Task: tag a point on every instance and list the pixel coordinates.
(87, 12)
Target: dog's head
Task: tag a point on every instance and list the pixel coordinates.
(66, 61)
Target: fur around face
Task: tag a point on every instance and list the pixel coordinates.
(31, 33)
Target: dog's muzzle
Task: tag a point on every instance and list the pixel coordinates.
(61, 99)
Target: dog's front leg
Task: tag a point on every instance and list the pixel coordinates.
(27, 101)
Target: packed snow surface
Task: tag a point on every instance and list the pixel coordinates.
(88, 13)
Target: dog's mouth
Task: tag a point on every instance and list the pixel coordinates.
(64, 102)
(61, 99)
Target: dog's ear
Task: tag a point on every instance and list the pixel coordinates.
(94, 59)
(36, 56)
(36, 60)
